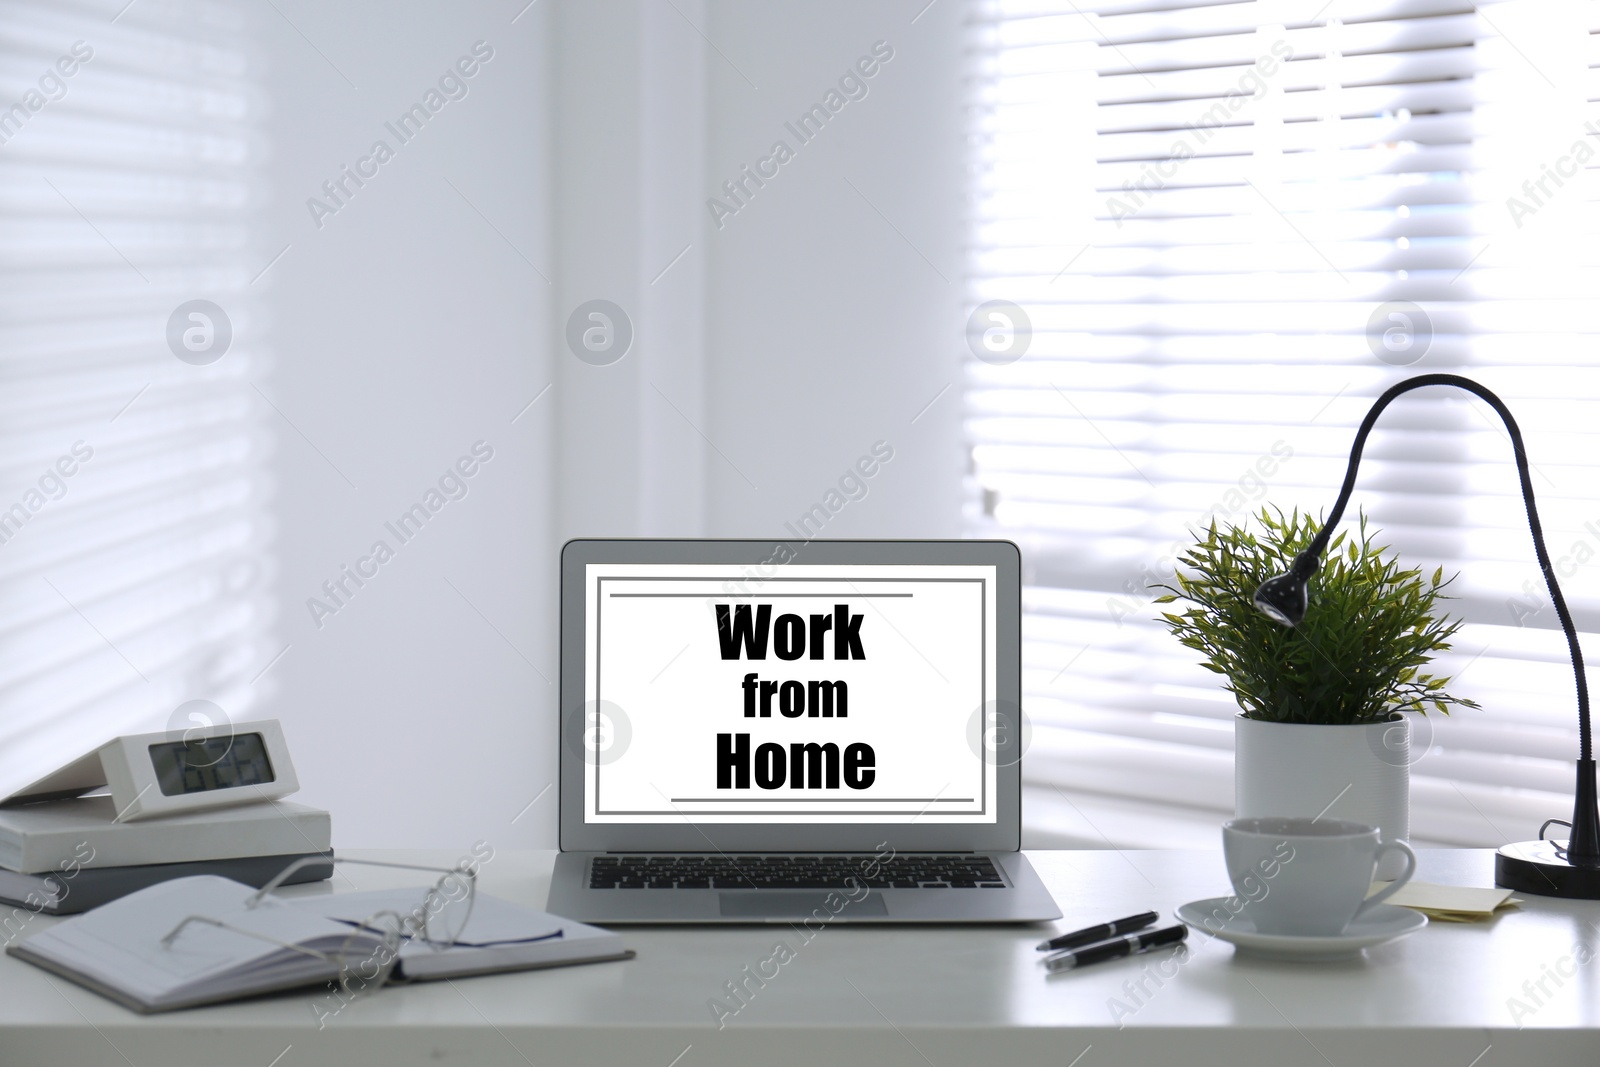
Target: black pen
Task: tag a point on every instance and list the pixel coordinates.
(1089, 935)
(1113, 950)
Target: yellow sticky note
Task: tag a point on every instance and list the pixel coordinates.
(1449, 903)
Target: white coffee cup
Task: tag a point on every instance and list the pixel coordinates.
(1307, 877)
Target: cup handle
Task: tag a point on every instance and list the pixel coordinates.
(1393, 887)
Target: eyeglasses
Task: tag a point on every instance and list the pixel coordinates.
(437, 921)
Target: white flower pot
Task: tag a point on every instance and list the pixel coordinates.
(1361, 773)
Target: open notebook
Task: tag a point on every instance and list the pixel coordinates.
(116, 949)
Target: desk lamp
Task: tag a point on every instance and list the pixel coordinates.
(1543, 867)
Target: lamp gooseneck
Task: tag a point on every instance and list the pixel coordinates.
(1283, 598)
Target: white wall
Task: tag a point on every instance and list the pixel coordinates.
(409, 327)
(630, 126)
(830, 326)
(135, 576)
(790, 338)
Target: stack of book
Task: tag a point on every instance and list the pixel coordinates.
(58, 857)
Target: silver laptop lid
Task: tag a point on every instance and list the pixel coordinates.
(790, 696)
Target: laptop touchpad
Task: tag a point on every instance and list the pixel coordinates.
(780, 903)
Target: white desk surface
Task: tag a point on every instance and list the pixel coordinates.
(940, 996)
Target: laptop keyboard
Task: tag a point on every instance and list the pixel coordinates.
(793, 872)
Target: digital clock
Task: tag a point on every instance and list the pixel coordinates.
(177, 771)
(227, 762)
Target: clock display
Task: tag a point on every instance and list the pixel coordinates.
(212, 763)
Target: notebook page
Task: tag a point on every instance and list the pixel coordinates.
(119, 944)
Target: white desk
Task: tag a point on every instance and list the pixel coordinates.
(906, 996)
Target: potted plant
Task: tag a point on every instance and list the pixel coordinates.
(1323, 729)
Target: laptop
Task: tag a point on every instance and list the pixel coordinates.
(773, 731)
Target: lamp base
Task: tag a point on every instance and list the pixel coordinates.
(1536, 867)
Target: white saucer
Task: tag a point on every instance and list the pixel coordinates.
(1384, 922)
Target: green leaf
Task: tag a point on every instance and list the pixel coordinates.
(1372, 623)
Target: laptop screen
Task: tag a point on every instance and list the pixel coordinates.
(820, 694)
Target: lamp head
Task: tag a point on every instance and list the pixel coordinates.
(1283, 597)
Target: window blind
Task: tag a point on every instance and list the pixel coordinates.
(133, 533)
(1228, 227)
